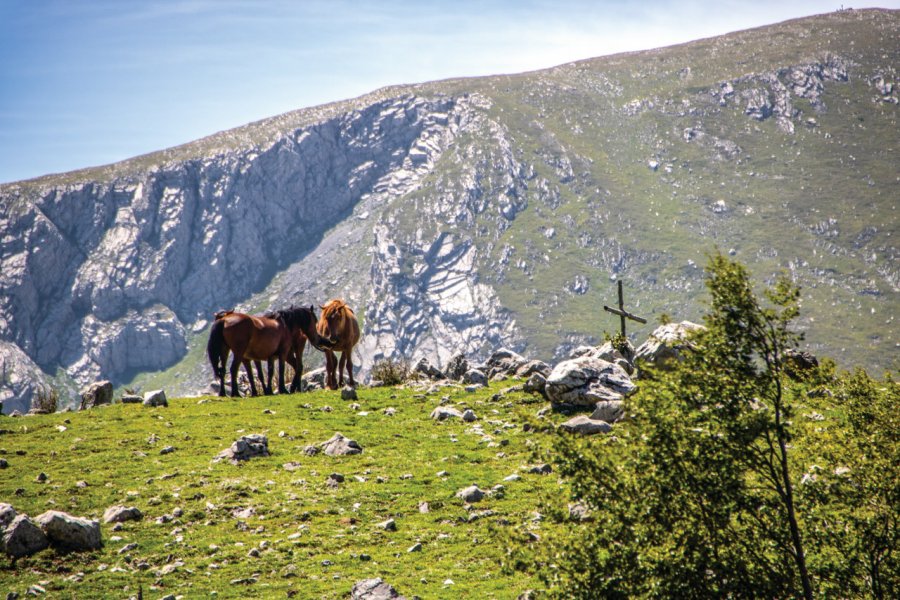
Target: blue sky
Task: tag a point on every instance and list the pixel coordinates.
(89, 82)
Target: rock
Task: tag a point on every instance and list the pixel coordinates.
(155, 398)
(313, 380)
(543, 469)
(3, 463)
(311, 450)
(586, 426)
(7, 514)
(666, 343)
(120, 514)
(339, 445)
(131, 399)
(531, 367)
(348, 393)
(442, 413)
(425, 368)
(417, 547)
(610, 411)
(536, 384)
(96, 394)
(374, 589)
(470, 494)
(796, 362)
(505, 363)
(70, 533)
(475, 377)
(469, 416)
(457, 367)
(245, 448)
(585, 381)
(23, 538)
(389, 525)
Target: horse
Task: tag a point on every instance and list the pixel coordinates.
(267, 390)
(339, 331)
(256, 338)
(298, 345)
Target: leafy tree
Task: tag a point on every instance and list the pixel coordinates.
(695, 495)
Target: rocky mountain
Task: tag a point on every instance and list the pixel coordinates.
(467, 214)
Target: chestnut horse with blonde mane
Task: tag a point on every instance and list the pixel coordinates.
(339, 331)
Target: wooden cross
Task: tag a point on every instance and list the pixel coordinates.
(623, 314)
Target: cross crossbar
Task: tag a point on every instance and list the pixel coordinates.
(623, 314)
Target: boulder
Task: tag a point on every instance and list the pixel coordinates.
(120, 514)
(339, 445)
(97, 394)
(70, 533)
(245, 448)
(504, 363)
(424, 367)
(155, 398)
(610, 411)
(457, 367)
(475, 377)
(536, 384)
(23, 538)
(533, 366)
(374, 589)
(348, 393)
(442, 413)
(586, 426)
(133, 399)
(585, 381)
(7, 514)
(313, 380)
(666, 343)
(470, 494)
(796, 362)
(469, 416)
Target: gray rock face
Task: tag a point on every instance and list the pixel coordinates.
(7, 514)
(374, 589)
(339, 445)
(505, 362)
(457, 367)
(470, 494)
(585, 381)
(475, 377)
(442, 413)
(666, 343)
(23, 538)
(610, 411)
(424, 367)
(68, 532)
(96, 394)
(120, 514)
(537, 383)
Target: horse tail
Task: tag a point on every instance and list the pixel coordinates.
(215, 346)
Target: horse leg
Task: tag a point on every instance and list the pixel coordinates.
(349, 367)
(331, 365)
(270, 366)
(297, 356)
(235, 366)
(281, 358)
(249, 369)
(262, 378)
(341, 364)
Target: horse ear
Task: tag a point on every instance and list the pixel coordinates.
(322, 307)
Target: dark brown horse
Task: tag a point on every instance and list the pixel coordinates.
(339, 331)
(256, 338)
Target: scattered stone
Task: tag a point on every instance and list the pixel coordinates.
(155, 398)
(334, 479)
(513, 477)
(167, 450)
(471, 389)
(389, 525)
(423, 507)
(245, 448)
(667, 343)
(543, 469)
(7, 514)
(470, 494)
(96, 394)
(586, 380)
(611, 411)
(3, 463)
(374, 589)
(442, 413)
(475, 377)
(586, 426)
(390, 411)
(469, 416)
(131, 399)
(127, 548)
(580, 512)
(68, 532)
(339, 445)
(41, 478)
(292, 466)
(348, 393)
(311, 450)
(417, 547)
(120, 514)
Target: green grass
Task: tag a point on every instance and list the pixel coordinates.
(300, 522)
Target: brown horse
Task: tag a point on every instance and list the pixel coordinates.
(339, 331)
(256, 338)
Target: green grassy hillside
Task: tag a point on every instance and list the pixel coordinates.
(312, 541)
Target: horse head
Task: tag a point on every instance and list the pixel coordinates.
(329, 323)
(304, 319)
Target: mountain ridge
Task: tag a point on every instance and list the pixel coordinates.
(464, 214)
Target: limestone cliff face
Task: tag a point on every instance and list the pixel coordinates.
(106, 279)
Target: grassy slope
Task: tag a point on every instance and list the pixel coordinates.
(108, 448)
